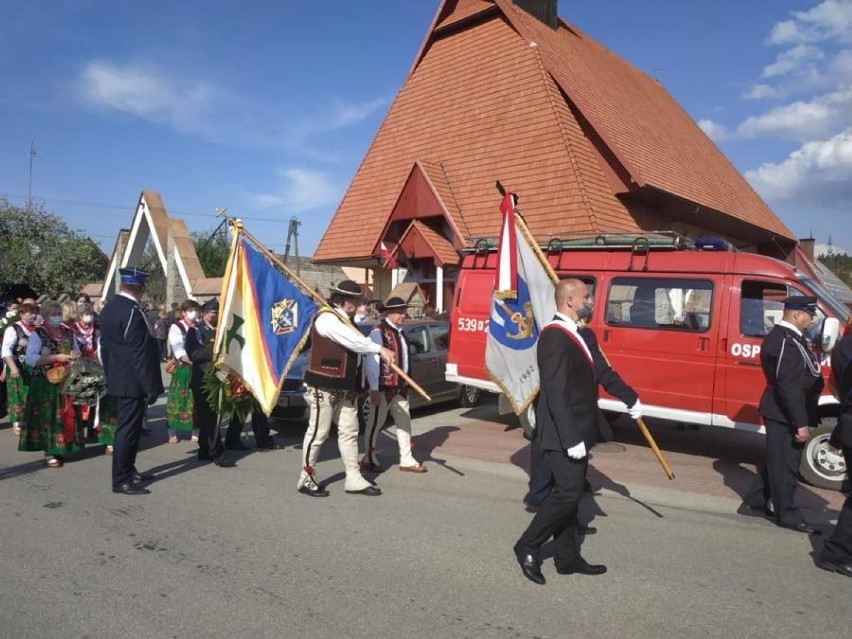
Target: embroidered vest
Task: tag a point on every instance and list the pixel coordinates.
(388, 377)
(20, 350)
(330, 366)
(50, 347)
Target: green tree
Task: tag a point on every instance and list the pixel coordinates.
(840, 265)
(40, 250)
(212, 248)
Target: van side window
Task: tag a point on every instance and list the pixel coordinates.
(667, 303)
(761, 305)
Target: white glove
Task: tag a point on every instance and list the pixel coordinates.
(635, 411)
(577, 452)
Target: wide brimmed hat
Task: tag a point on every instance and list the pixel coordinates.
(349, 288)
(395, 304)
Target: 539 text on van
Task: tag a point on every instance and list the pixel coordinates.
(471, 324)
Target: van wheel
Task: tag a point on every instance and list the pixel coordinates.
(527, 419)
(469, 396)
(819, 467)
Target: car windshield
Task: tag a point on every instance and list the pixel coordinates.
(827, 298)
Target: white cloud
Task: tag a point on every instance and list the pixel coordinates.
(792, 60)
(141, 90)
(803, 120)
(714, 130)
(816, 174)
(300, 190)
(829, 20)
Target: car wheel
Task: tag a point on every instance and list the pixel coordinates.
(469, 396)
(527, 419)
(819, 466)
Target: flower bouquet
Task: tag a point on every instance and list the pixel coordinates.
(85, 382)
(226, 393)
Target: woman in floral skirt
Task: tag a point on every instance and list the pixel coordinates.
(14, 353)
(49, 421)
(180, 405)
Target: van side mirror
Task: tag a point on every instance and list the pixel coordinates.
(828, 335)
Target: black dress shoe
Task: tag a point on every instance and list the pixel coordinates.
(581, 567)
(754, 511)
(586, 530)
(591, 489)
(221, 462)
(137, 477)
(237, 446)
(802, 527)
(129, 488)
(832, 566)
(369, 491)
(316, 491)
(530, 567)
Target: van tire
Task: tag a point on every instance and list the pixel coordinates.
(469, 396)
(819, 468)
(527, 419)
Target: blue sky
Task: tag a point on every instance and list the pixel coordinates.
(267, 107)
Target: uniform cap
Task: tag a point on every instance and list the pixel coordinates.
(349, 288)
(805, 303)
(133, 275)
(211, 306)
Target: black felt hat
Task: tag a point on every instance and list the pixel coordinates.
(349, 288)
(395, 304)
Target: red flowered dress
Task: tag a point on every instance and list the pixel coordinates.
(180, 405)
(17, 388)
(49, 420)
(102, 418)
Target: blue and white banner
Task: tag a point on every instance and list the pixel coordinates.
(522, 304)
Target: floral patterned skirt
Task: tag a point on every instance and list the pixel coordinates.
(16, 394)
(180, 404)
(50, 422)
(107, 420)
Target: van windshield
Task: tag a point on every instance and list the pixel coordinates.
(827, 298)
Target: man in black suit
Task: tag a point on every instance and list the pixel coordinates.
(199, 348)
(131, 363)
(836, 555)
(789, 408)
(566, 421)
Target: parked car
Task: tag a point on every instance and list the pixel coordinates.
(428, 341)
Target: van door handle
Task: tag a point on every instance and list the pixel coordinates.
(606, 335)
(703, 343)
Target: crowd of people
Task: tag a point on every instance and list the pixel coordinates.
(44, 344)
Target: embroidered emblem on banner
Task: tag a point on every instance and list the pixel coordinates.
(512, 322)
(285, 316)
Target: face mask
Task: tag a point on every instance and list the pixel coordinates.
(88, 318)
(29, 319)
(55, 320)
(191, 315)
(585, 311)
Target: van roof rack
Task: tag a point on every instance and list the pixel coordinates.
(637, 241)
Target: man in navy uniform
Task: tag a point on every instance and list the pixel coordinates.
(566, 420)
(789, 408)
(131, 362)
(199, 348)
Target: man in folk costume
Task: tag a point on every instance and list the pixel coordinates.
(789, 407)
(389, 392)
(333, 378)
(131, 363)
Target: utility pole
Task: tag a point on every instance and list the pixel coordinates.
(30, 180)
(293, 234)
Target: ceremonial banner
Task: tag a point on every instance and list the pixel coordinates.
(522, 304)
(264, 321)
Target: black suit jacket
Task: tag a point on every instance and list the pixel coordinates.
(567, 410)
(199, 349)
(129, 350)
(792, 390)
(605, 374)
(841, 371)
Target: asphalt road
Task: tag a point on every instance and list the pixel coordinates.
(218, 552)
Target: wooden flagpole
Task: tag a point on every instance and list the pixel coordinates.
(318, 298)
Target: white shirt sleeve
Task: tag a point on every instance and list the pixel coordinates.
(371, 362)
(331, 326)
(177, 341)
(10, 338)
(33, 349)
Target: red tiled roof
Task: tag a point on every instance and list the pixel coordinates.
(483, 103)
(419, 238)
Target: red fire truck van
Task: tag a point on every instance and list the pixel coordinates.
(683, 326)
